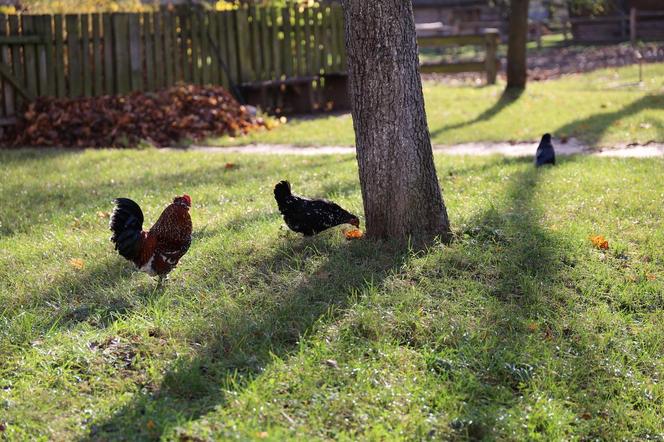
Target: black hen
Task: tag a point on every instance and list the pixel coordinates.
(545, 153)
(310, 216)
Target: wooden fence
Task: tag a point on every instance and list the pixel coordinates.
(97, 54)
(254, 51)
(489, 40)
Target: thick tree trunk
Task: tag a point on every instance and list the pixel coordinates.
(402, 198)
(516, 46)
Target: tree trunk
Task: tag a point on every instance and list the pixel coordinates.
(516, 47)
(402, 198)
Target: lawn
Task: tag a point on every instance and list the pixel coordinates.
(519, 330)
(600, 108)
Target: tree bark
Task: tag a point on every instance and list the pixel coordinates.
(402, 198)
(517, 66)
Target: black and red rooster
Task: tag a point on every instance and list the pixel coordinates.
(158, 250)
(310, 216)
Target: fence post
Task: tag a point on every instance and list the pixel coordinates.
(491, 62)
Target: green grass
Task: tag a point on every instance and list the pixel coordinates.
(519, 330)
(600, 108)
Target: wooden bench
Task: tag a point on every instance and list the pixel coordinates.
(489, 39)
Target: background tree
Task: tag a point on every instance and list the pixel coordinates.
(400, 189)
(517, 66)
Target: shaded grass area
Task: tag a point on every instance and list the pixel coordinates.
(518, 330)
(600, 108)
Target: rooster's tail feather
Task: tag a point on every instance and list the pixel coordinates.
(126, 225)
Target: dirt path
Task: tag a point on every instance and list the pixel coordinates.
(476, 149)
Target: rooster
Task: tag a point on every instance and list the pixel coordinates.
(310, 216)
(545, 153)
(158, 250)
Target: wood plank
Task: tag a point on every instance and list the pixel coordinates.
(74, 73)
(148, 44)
(298, 24)
(179, 48)
(256, 56)
(222, 46)
(17, 60)
(287, 43)
(159, 57)
(450, 40)
(169, 48)
(244, 45)
(109, 71)
(195, 35)
(266, 59)
(308, 38)
(86, 66)
(97, 52)
(277, 68)
(121, 53)
(471, 66)
(341, 38)
(15, 82)
(8, 108)
(30, 56)
(185, 63)
(214, 47)
(135, 52)
(58, 36)
(232, 59)
(21, 39)
(203, 32)
(44, 56)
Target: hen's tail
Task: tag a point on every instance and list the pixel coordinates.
(126, 224)
(282, 192)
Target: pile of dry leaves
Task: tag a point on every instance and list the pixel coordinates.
(160, 118)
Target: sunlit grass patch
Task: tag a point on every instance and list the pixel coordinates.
(521, 329)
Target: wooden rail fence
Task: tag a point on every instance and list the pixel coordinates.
(489, 39)
(255, 50)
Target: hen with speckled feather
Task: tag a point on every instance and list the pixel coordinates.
(310, 216)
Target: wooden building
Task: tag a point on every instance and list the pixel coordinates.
(623, 20)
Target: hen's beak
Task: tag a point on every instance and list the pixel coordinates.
(355, 222)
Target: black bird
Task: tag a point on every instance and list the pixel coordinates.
(310, 216)
(545, 153)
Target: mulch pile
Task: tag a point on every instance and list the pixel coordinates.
(161, 118)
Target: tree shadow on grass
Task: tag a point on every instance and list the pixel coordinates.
(526, 294)
(592, 128)
(283, 298)
(88, 295)
(507, 98)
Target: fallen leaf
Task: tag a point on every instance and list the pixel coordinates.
(599, 241)
(651, 277)
(229, 166)
(353, 234)
(548, 334)
(150, 425)
(102, 214)
(532, 327)
(262, 435)
(161, 118)
(77, 263)
(586, 416)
